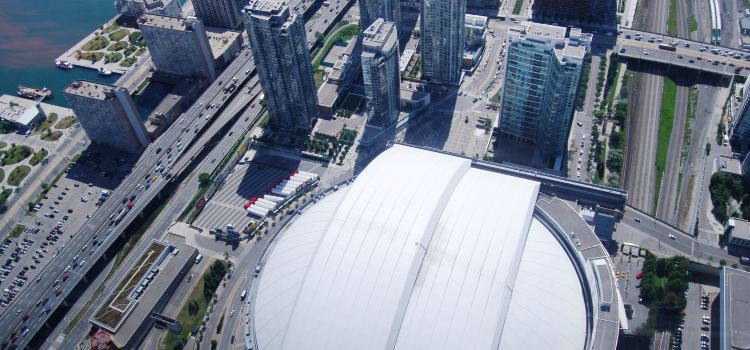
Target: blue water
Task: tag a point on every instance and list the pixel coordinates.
(34, 33)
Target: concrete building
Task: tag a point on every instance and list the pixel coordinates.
(734, 309)
(108, 115)
(442, 40)
(220, 13)
(127, 313)
(279, 45)
(475, 30)
(178, 46)
(370, 10)
(381, 74)
(138, 8)
(583, 13)
(342, 64)
(418, 253)
(225, 45)
(23, 113)
(739, 232)
(543, 68)
(739, 125)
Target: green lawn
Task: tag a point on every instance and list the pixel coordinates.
(666, 119)
(517, 7)
(47, 123)
(2, 175)
(113, 57)
(96, 43)
(51, 136)
(118, 34)
(341, 34)
(692, 24)
(16, 154)
(18, 174)
(38, 157)
(91, 56)
(4, 194)
(66, 122)
(111, 28)
(672, 21)
(117, 46)
(128, 62)
(320, 77)
(16, 231)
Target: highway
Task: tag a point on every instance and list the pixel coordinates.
(99, 222)
(182, 196)
(643, 125)
(667, 206)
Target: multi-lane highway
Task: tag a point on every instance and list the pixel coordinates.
(99, 224)
(695, 55)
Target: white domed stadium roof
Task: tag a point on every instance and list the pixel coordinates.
(421, 251)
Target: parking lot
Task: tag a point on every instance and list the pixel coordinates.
(53, 222)
(628, 263)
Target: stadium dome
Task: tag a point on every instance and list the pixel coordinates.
(425, 251)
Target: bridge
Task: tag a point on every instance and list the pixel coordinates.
(672, 51)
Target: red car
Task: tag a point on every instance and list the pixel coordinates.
(58, 290)
(639, 275)
(65, 277)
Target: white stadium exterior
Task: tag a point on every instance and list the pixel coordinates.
(426, 251)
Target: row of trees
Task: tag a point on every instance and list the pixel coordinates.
(664, 283)
(730, 197)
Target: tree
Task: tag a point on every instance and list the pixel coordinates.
(204, 179)
(708, 148)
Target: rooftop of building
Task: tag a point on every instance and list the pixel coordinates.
(735, 308)
(91, 89)
(18, 110)
(221, 39)
(416, 237)
(575, 46)
(266, 6)
(745, 23)
(175, 23)
(730, 165)
(741, 228)
(168, 267)
(475, 21)
(377, 34)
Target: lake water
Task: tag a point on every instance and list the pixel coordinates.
(34, 33)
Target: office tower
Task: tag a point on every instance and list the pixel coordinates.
(380, 72)
(178, 46)
(543, 68)
(137, 8)
(578, 12)
(442, 40)
(107, 114)
(220, 13)
(279, 45)
(370, 10)
(739, 124)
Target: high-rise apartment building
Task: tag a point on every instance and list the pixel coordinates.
(543, 68)
(220, 13)
(442, 40)
(601, 13)
(380, 72)
(108, 115)
(279, 45)
(178, 46)
(370, 10)
(137, 8)
(739, 125)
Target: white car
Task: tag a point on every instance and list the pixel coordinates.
(671, 236)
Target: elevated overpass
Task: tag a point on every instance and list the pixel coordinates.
(645, 46)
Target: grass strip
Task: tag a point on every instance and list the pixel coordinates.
(690, 118)
(517, 7)
(672, 21)
(692, 24)
(666, 119)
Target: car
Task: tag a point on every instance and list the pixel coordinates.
(637, 220)
(671, 236)
(231, 313)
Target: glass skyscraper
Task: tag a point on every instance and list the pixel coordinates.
(442, 40)
(543, 68)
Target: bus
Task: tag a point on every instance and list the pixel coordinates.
(667, 47)
(243, 295)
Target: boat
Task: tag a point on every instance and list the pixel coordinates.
(63, 64)
(103, 71)
(33, 93)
